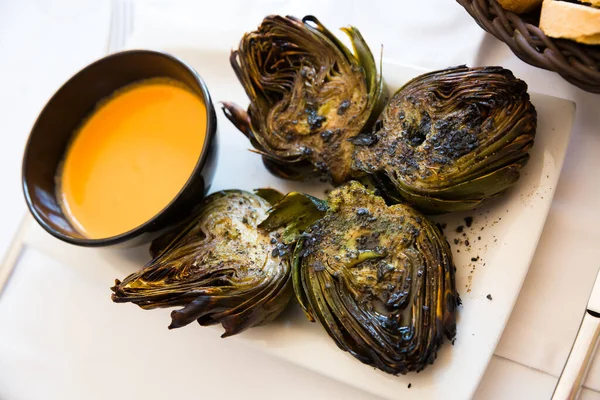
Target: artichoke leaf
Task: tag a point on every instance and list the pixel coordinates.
(220, 268)
(297, 284)
(295, 212)
(459, 135)
(378, 278)
(308, 94)
(271, 195)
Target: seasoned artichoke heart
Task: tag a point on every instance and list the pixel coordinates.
(308, 94)
(449, 139)
(379, 279)
(220, 268)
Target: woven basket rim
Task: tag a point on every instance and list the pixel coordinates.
(577, 63)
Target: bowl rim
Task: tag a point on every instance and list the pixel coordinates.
(211, 131)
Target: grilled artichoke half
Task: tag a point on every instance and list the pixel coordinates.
(220, 268)
(449, 139)
(379, 279)
(308, 94)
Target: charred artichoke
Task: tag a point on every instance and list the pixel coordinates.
(379, 279)
(220, 268)
(449, 139)
(308, 95)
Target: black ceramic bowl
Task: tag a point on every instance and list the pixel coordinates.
(65, 111)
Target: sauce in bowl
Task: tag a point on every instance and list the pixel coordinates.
(131, 157)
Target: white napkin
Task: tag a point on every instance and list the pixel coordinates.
(436, 34)
(547, 315)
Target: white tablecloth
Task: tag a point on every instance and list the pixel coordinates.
(44, 43)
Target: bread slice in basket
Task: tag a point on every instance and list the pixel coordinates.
(521, 6)
(566, 20)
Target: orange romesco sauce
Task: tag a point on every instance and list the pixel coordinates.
(131, 157)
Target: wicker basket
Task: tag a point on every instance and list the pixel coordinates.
(577, 63)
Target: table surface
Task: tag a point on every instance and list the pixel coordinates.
(43, 43)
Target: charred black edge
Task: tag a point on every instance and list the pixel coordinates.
(238, 117)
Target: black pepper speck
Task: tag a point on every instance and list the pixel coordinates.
(343, 107)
